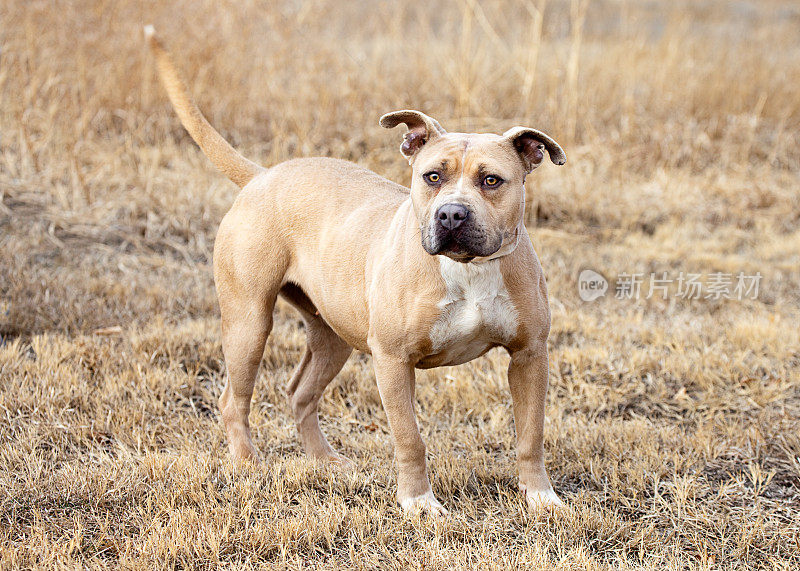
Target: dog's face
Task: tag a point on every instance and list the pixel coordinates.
(468, 190)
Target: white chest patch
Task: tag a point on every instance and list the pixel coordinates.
(477, 312)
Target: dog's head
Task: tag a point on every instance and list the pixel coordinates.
(468, 189)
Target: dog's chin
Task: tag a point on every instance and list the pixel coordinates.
(456, 257)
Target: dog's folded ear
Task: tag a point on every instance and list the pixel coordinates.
(421, 129)
(530, 144)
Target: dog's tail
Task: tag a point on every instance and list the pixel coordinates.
(225, 158)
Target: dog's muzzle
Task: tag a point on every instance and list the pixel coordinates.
(453, 232)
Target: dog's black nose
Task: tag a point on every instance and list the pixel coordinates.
(451, 215)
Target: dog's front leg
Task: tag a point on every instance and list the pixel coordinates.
(395, 377)
(527, 379)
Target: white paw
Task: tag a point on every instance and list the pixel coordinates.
(425, 503)
(542, 499)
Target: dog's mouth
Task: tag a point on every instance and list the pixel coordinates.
(462, 244)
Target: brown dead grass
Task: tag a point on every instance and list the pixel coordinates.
(672, 427)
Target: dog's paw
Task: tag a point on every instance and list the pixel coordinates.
(542, 499)
(244, 453)
(426, 503)
(341, 463)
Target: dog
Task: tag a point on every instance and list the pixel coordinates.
(430, 276)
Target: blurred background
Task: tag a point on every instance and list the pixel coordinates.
(681, 124)
(679, 118)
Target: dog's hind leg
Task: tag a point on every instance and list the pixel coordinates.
(246, 304)
(326, 354)
(245, 328)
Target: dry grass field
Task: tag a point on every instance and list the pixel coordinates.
(673, 425)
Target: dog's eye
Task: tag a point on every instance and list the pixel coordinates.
(492, 181)
(432, 177)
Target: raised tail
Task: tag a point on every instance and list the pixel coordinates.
(225, 158)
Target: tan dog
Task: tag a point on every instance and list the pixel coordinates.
(432, 276)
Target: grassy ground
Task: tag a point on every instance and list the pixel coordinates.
(672, 425)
